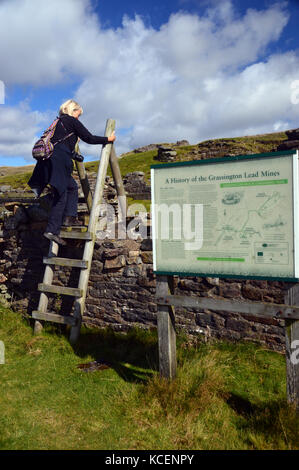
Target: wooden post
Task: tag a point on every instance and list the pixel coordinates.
(292, 350)
(166, 330)
(84, 184)
(121, 194)
(116, 173)
(93, 219)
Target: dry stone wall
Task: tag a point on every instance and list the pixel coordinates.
(121, 291)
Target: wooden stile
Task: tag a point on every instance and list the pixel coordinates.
(48, 278)
(84, 184)
(88, 236)
(89, 245)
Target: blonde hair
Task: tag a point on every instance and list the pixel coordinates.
(69, 106)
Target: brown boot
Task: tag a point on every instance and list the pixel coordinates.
(54, 238)
(71, 221)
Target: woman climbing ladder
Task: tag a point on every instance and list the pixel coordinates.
(57, 170)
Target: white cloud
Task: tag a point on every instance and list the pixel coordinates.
(18, 130)
(198, 77)
(44, 42)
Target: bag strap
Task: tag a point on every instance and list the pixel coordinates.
(65, 137)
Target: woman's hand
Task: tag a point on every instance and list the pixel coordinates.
(112, 137)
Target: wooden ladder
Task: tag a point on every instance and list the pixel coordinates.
(89, 237)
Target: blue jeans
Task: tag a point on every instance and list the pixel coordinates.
(65, 204)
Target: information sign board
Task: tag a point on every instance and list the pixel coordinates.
(227, 217)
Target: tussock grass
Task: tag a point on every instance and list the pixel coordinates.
(225, 396)
(129, 163)
(170, 412)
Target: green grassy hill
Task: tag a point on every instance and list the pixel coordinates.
(218, 147)
(129, 162)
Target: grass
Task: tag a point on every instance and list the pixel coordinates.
(142, 205)
(225, 396)
(18, 180)
(130, 162)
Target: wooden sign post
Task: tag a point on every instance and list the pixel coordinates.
(232, 217)
(167, 337)
(166, 330)
(292, 345)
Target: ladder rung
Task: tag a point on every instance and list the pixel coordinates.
(53, 317)
(75, 292)
(74, 228)
(76, 235)
(69, 262)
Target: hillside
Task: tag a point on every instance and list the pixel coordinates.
(17, 177)
(142, 161)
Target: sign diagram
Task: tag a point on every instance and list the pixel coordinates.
(242, 221)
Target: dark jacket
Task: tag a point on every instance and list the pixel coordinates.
(57, 169)
(72, 124)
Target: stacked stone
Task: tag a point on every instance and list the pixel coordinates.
(135, 185)
(292, 142)
(146, 148)
(4, 294)
(166, 154)
(7, 191)
(182, 143)
(4, 188)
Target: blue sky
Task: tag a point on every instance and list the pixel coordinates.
(164, 70)
(156, 13)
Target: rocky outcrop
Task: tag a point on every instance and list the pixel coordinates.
(292, 142)
(146, 148)
(166, 154)
(135, 185)
(182, 143)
